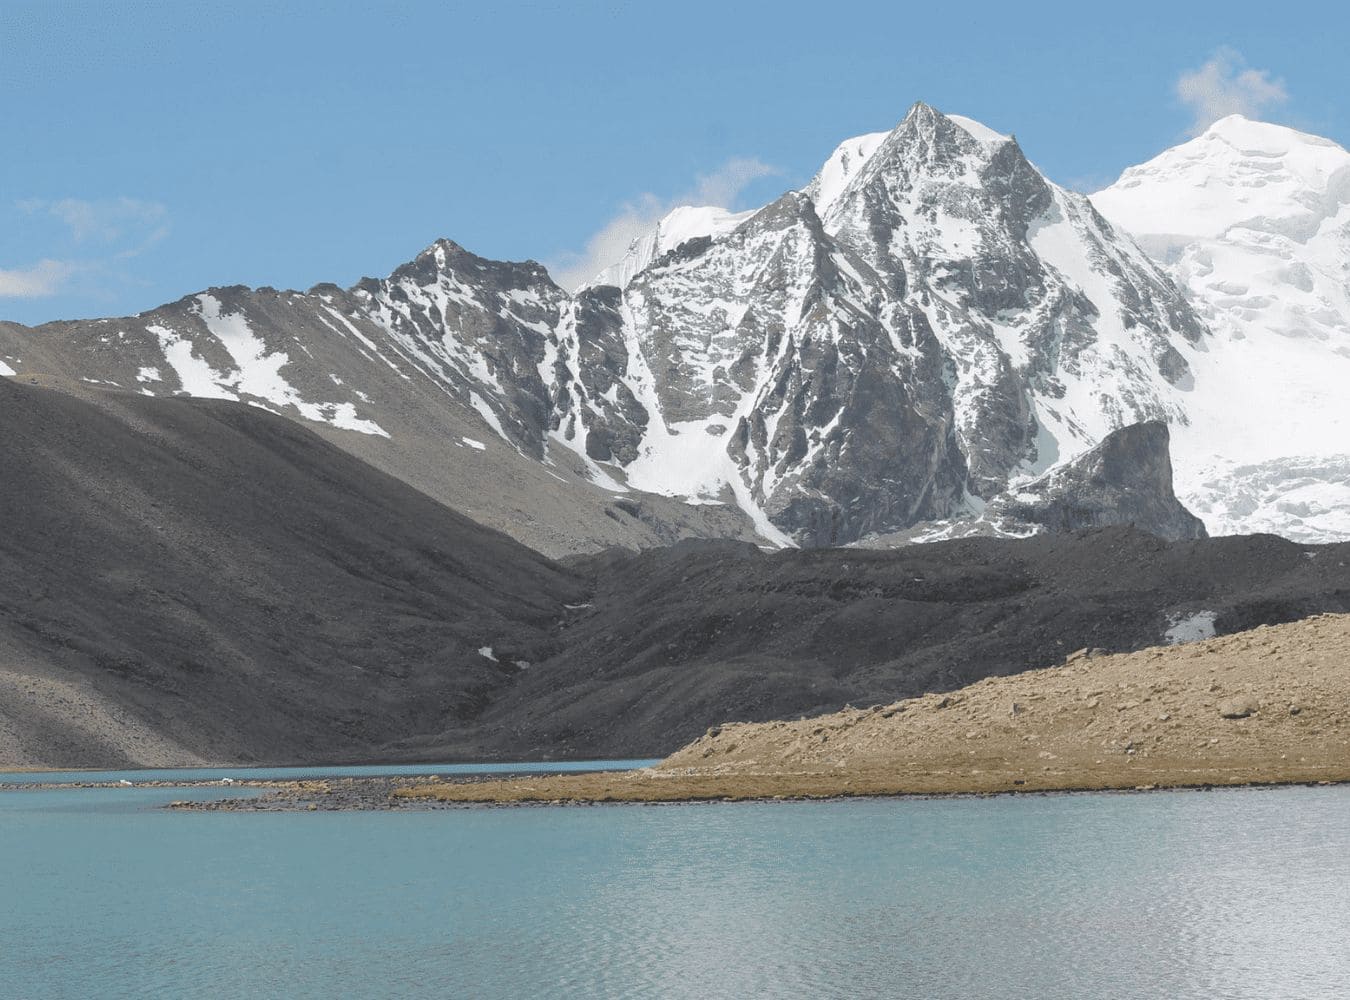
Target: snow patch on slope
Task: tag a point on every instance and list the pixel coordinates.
(1190, 628)
(687, 459)
(258, 372)
(195, 376)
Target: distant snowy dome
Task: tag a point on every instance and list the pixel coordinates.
(687, 222)
(1238, 173)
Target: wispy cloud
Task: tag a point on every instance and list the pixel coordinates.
(42, 279)
(129, 225)
(720, 188)
(1226, 85)
(87, 239)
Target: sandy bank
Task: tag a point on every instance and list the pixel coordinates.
(1267, 706)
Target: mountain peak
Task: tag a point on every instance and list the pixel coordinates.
(922, 111)
(1228, 122)
(924, 119)
(926, 116)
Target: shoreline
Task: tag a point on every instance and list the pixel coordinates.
(384, 795)
(651, 787)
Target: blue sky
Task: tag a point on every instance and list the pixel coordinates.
(154, 149)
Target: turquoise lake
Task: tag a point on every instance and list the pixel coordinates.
(1235, 893)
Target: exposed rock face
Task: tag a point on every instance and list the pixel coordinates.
(927, 322)
(1049, 321)
(832, 419)
(1125, 480)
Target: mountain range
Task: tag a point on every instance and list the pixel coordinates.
(903, 348)
(396, 521)
(197, 581)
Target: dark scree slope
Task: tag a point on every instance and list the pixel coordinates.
(246, 589)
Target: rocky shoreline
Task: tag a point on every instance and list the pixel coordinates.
(385, 795)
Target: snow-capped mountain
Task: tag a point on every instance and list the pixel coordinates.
(1253, 222)
(949, 322)
(925, 325)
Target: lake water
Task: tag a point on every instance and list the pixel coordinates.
(1237, 893)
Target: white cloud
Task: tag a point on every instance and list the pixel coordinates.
(1226, 85)
(107, 221)
(41, 279)
(720, 188)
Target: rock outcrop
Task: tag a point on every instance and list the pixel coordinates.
(1125, 480)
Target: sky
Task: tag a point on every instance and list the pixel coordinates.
(152, 149)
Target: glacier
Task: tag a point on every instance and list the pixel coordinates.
(1252, 220)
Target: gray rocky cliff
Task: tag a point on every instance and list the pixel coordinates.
(1125, 480)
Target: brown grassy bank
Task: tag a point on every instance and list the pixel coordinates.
(1267, 706)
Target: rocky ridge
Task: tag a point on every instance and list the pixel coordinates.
(189, 580)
